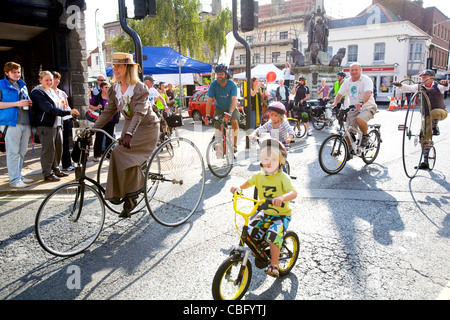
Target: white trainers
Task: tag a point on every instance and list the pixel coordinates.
(27, 180)
(19, 185)
(70, 168)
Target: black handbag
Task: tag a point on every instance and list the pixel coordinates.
(174, 120)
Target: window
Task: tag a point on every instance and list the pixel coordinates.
(275, 56)
(242, 59)
(288, 56)
(416, 52)
(256, 58)
(284, 35)
(249, 39)
(379, 50)
(352, 53)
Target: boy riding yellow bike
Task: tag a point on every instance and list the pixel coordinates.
(271, 182)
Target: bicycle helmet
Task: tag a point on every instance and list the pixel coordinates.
(221, 68)
(301, 77)
(342, 74)
(428, 72)
(274, 143)
(278, 107)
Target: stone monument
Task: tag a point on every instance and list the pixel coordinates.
(316, 63)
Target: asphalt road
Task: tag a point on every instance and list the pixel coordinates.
(366, 233)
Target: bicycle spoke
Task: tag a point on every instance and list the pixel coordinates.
(175, 183)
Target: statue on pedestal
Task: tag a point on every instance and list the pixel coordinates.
(317, 36)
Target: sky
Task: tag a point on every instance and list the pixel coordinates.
(108, 10)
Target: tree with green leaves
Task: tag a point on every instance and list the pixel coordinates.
(178, 25)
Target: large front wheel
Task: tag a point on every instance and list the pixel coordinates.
(413, 134)
(333, 154)
(227, 283)
(70, 219)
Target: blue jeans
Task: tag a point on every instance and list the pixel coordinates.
(16, 142)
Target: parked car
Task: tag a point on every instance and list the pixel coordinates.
(197, 107)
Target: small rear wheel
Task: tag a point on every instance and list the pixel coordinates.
(432, 158)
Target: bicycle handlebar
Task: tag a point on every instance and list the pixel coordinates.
(420, 82)
(83, 131)
(259, 205)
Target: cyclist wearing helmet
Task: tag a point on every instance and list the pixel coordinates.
(301, 95)
(337, 85)
(435, 91)
(277, 126)
(271, 182)
(224, 91)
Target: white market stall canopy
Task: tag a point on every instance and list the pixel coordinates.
(260, 72)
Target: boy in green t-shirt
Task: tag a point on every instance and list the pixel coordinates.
(272, 183)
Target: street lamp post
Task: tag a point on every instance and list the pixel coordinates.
(180, 63)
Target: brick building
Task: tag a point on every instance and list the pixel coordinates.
(432, 21)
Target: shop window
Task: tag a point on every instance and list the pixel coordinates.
(386, 84)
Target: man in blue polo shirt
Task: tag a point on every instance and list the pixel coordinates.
(224, 91)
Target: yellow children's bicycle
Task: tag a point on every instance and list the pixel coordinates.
(233, 277)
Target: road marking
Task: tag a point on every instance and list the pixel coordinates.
(22, 198)
(445, 293)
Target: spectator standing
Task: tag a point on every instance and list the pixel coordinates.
(301, 95)
(15, 118)
(322, 92)
(99, 102)
(96, 90)
(287, 74)
(62, 142)
(45, 112)
(282, 95)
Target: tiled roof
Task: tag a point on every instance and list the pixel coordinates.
(373, 14)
